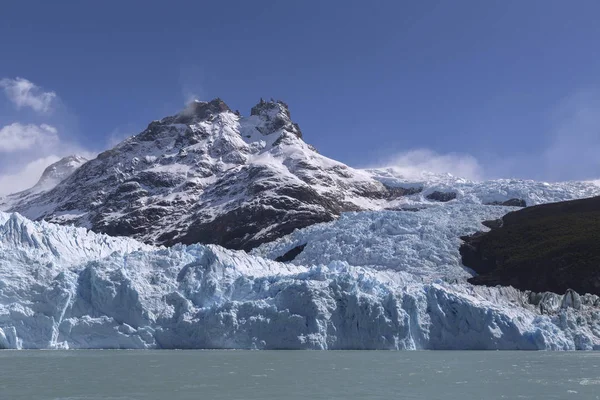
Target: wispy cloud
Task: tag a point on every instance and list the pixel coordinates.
(568, 150)
(19, 137)
(24, 93)
(413, 163)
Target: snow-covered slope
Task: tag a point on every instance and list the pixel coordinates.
(58, 172)
(208, 175)
(64, 287)
(484, 192)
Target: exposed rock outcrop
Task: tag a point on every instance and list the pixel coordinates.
(553, 247)
(441, 196)
(509, 203)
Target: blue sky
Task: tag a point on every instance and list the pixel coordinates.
(483, 89)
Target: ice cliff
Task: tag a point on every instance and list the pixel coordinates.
(374, 280)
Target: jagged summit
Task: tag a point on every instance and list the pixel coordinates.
(209, 175)
(198, 110)
(271, 116)
(277, 116)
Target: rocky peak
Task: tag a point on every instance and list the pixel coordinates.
(195, 112)
(59, 171)
(207, 175)
(276, 116)
(264, 107)
(201, 110)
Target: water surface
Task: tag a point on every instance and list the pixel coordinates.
(265, 375)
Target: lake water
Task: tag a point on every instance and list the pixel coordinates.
(264, 375)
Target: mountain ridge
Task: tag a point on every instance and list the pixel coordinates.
(208, 175)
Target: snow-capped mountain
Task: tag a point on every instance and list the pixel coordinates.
(52, 176)
(396, 283)
(59, 171)
(209, 175)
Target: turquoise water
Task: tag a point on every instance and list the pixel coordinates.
(264, 375)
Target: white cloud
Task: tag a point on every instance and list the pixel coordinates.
(26, 176)
(26, 148)
(24, 93)
(19, 137)
(568, 150)
(413, 163)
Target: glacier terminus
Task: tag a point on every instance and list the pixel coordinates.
(368, 280)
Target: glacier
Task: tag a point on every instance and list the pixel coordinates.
(368, 280)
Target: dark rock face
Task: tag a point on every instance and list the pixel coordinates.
(551, 247)
(509, 203)
(277, 116)
(200, 110)
(238, 228)
(292, 254)
(441, 196)
(397, 191)
(410, 209)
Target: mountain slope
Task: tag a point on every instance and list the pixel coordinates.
(209, 175)
(550, 247)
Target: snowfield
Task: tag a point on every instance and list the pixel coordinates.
(499, 190)
(369, 280)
